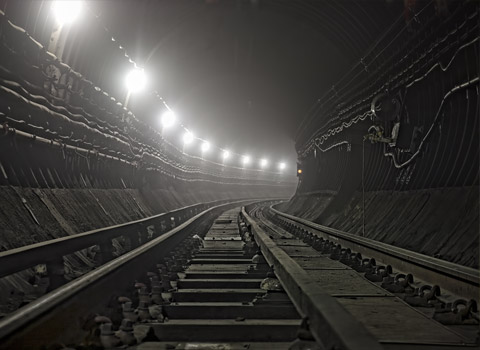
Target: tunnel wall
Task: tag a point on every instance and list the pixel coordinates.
(39, 214)
(72, 159)
(64, 138)
(418, 189)
(32, 215)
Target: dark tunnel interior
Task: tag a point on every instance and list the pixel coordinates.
(359, 116)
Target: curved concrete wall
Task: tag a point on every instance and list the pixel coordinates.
(420, 181)
(73, 159)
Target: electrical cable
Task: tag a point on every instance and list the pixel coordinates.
(429, 71)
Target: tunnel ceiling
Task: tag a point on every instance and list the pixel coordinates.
(243, 73)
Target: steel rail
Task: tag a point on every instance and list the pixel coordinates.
(457, 279)
(19, 259)
(22, 258)
(54, 316)
(330, 324)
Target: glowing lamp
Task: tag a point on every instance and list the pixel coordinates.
(136, 80)
(66, 12)
(187, 138)
(168, 119)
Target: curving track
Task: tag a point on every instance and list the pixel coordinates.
(245, 278)
(176, 291)
(401, 310)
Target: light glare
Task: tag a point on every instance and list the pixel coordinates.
(225, 154)
(66, 11)
(245, 160)
(263, 163)
(187, 137)
(205, 146)
(136, 80)
(282, 166)
(168, 119)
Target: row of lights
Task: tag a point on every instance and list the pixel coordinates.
(168, 119)
(136, 81)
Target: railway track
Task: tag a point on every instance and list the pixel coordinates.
(230, 278)
(199, 285)
(398, 309)
(456, 280)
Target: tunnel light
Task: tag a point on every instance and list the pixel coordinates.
(66, 12)
(136, 80)
(225, 154)
(205, 146)
(282, 166)
(187, 138)
(245, 160)
(263, 163)
(168, 119)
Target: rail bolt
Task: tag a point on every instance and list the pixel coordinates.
(156, 313)
(128, 312)
(143, 313)
(271, 283)
(258, 258)
(143, 295)
(157, 295)
(125, 334)
(107, 337)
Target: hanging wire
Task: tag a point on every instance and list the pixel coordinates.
(437, 64)
(361, 63)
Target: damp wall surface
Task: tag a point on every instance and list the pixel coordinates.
(393, 149)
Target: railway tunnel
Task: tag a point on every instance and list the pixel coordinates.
(248, 174)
